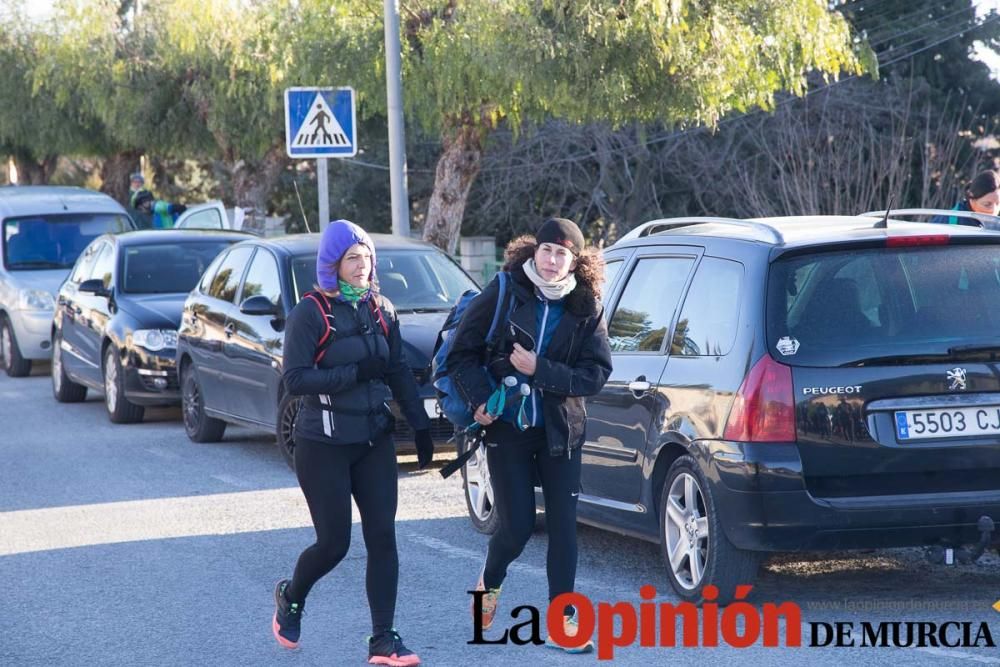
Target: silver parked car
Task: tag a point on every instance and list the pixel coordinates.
(43, 229)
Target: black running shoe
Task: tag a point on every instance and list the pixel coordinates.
(387, 649)
(287, 623)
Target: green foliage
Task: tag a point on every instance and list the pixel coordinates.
(681, 62)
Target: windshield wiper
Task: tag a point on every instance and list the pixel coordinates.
(39, 264)
(423, 310)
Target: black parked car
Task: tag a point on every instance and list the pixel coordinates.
(116, 317)
(794, 384)
(230, 344)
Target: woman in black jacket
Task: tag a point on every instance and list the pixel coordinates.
(343, 352)
(555, 344)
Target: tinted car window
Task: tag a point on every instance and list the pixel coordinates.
(104, 267)
(647, 305)
(611, 270)
(207, 219)
(54, 241)
(411, 279)
(206, 278)
(85, 264)
(166, 268)
(227, 279)
(262, 278)
(842, 308)
(708, 320)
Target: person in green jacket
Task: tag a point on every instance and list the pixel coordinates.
(163, 214)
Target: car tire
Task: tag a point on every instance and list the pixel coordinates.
(10, 354)
(478, 489)
(691, 529)
(288, 412)
(63, 389)
(120, 409)
(198, 426)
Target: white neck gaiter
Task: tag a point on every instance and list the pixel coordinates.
(551, 291)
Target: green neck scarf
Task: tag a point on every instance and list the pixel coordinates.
(351, 293)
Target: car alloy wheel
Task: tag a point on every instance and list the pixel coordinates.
(288, 412)
(111, 382)
(687, 531)
(56, 367)
(479, 490)
(5, 346)
(198, 426)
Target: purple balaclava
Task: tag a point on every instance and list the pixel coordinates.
(338, 236)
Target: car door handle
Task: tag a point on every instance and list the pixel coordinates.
(230, 330)
(639, 386)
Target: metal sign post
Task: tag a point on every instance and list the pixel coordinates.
(321, 123)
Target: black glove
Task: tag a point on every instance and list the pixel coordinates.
(371, 368)
(425, 447)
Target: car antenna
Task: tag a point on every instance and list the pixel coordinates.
(884, 223)
(305, 220)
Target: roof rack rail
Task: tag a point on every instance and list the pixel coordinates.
(665, 224)
(986, 221)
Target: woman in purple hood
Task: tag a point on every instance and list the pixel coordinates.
(343, 353)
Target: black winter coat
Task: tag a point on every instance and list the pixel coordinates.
(576, 364)
(337, 408)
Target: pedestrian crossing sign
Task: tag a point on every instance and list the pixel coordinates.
(320, 122)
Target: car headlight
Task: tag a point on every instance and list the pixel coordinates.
(155, 340)
(35, 299)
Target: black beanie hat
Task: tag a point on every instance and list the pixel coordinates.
(983, 184)
(561, 232)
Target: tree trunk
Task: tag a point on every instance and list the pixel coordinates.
(34, 172)
(253, 183)
(115, 174)
(456, 170)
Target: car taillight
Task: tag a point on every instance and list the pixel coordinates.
(764, 408)
(910, 241)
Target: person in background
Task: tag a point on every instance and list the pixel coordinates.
(982, 196)
(136, 182)
(163, 214)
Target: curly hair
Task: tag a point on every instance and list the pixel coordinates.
(589, 264)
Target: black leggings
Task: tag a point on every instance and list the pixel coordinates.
(515, 459)
(329, 475)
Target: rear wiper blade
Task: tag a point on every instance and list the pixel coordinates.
(896, 359)
(975, 347)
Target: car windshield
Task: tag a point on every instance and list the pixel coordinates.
(413, 280)
(54, 241)
(888, 305)
(166, 268)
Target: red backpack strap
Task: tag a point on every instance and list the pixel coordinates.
(324, 308)
(379, 317)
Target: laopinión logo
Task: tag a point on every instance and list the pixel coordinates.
(738, 624)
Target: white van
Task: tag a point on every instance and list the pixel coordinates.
(43, 229)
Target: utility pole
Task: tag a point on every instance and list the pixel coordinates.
(397, 140)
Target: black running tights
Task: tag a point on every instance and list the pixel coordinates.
(516, 459)
(329, 475)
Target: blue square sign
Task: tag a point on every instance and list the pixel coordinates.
(320, 122)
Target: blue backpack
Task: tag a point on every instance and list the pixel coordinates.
(453, 406)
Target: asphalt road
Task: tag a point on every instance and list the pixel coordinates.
(131, 545)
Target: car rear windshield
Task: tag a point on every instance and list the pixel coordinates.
(166, 268)
(413, 280)
(885, 306)
(54, 241)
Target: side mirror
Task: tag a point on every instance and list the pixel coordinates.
(94, 286)
(260, 305)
